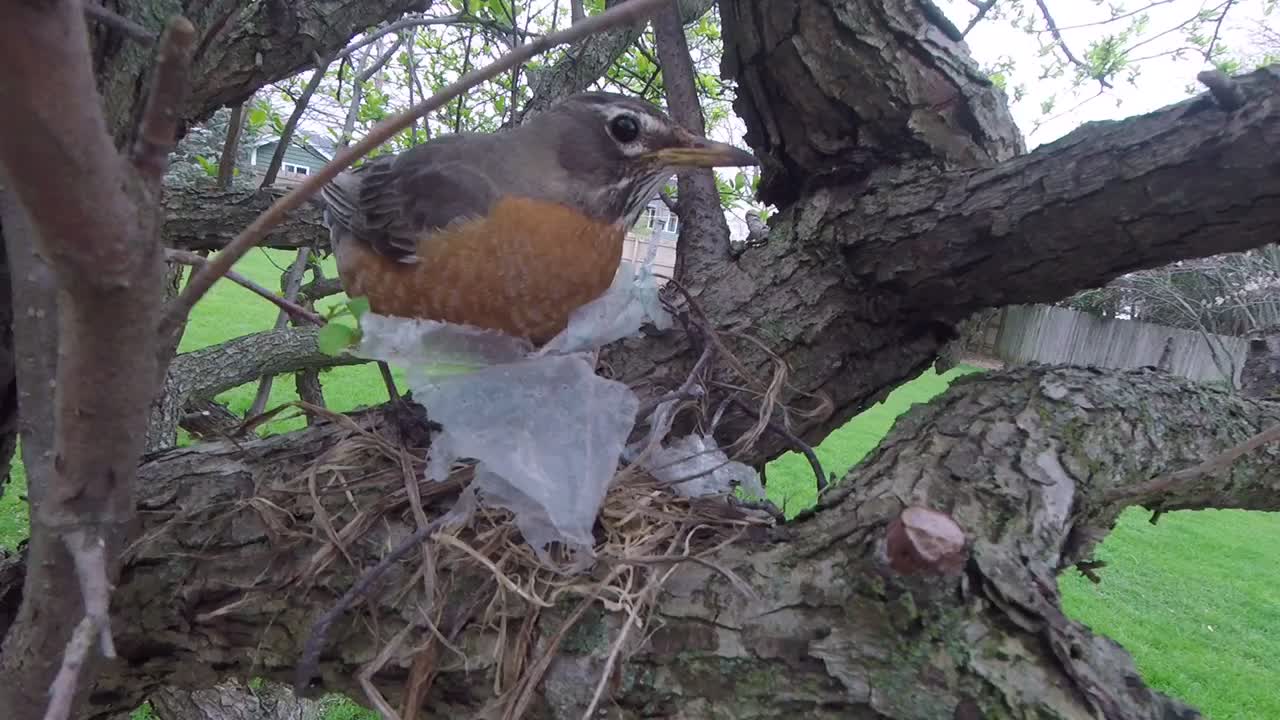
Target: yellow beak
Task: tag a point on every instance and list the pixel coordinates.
(697, 152)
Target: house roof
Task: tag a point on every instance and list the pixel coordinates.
(318, 145)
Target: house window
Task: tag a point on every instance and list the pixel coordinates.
(672, 221)
(297, 169)
(650, 218)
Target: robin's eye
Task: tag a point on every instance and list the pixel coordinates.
(624, 128)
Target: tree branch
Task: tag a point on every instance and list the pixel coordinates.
(101, 239)
(1066, 49)
(202, 374)
(962, 456)
(288, 308)
(704, 232)
(291, 125)
(207, 220)
(290, 287)
(230, 148)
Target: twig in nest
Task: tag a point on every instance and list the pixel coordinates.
(295, 311)
(310, 661)
(814, 463)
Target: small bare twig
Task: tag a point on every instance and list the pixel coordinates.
(1217, 30)
(984, 7)
(292, 282)
(626, 13)
(158, 132)
(115, 21)
(297, 312)
(291, 125)
(310, 660)
(796, 443)
(230, 147)
(1062, 44)
(1214, 465)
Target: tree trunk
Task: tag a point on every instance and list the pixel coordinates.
(845, 617)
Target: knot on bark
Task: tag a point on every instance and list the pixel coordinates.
(924, 541)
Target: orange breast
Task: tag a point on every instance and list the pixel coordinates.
(522, 270)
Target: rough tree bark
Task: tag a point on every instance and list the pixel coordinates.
(202, 374)
(233, 700)
(1034, 465)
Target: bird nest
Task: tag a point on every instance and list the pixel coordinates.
(478, 577)
(453, 578)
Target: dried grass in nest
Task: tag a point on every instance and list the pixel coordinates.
(645, 531)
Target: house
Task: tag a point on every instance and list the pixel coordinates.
(305, 154)
(658, 227)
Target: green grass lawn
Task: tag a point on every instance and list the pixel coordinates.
(1196, 598)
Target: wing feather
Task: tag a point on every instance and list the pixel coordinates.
(392, 203)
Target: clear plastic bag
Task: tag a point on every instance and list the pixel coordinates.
(545, 430)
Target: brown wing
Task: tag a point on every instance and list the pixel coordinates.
(393, 202)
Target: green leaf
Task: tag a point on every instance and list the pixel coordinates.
(258, 117)
(740, 181)
(358, 307)
(210, 167)
(334, 338)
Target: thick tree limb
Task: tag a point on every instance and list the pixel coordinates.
(204, 373)
(831, 90)
(863, 280)
(200, 219)
(1021, 462)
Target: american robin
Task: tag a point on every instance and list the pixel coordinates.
(510, 231)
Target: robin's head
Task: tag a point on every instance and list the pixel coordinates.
(620, 150)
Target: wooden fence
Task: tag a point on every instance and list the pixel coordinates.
(1055, 335)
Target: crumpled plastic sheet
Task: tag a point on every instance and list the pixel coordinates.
(545, 430)
(695, 466)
